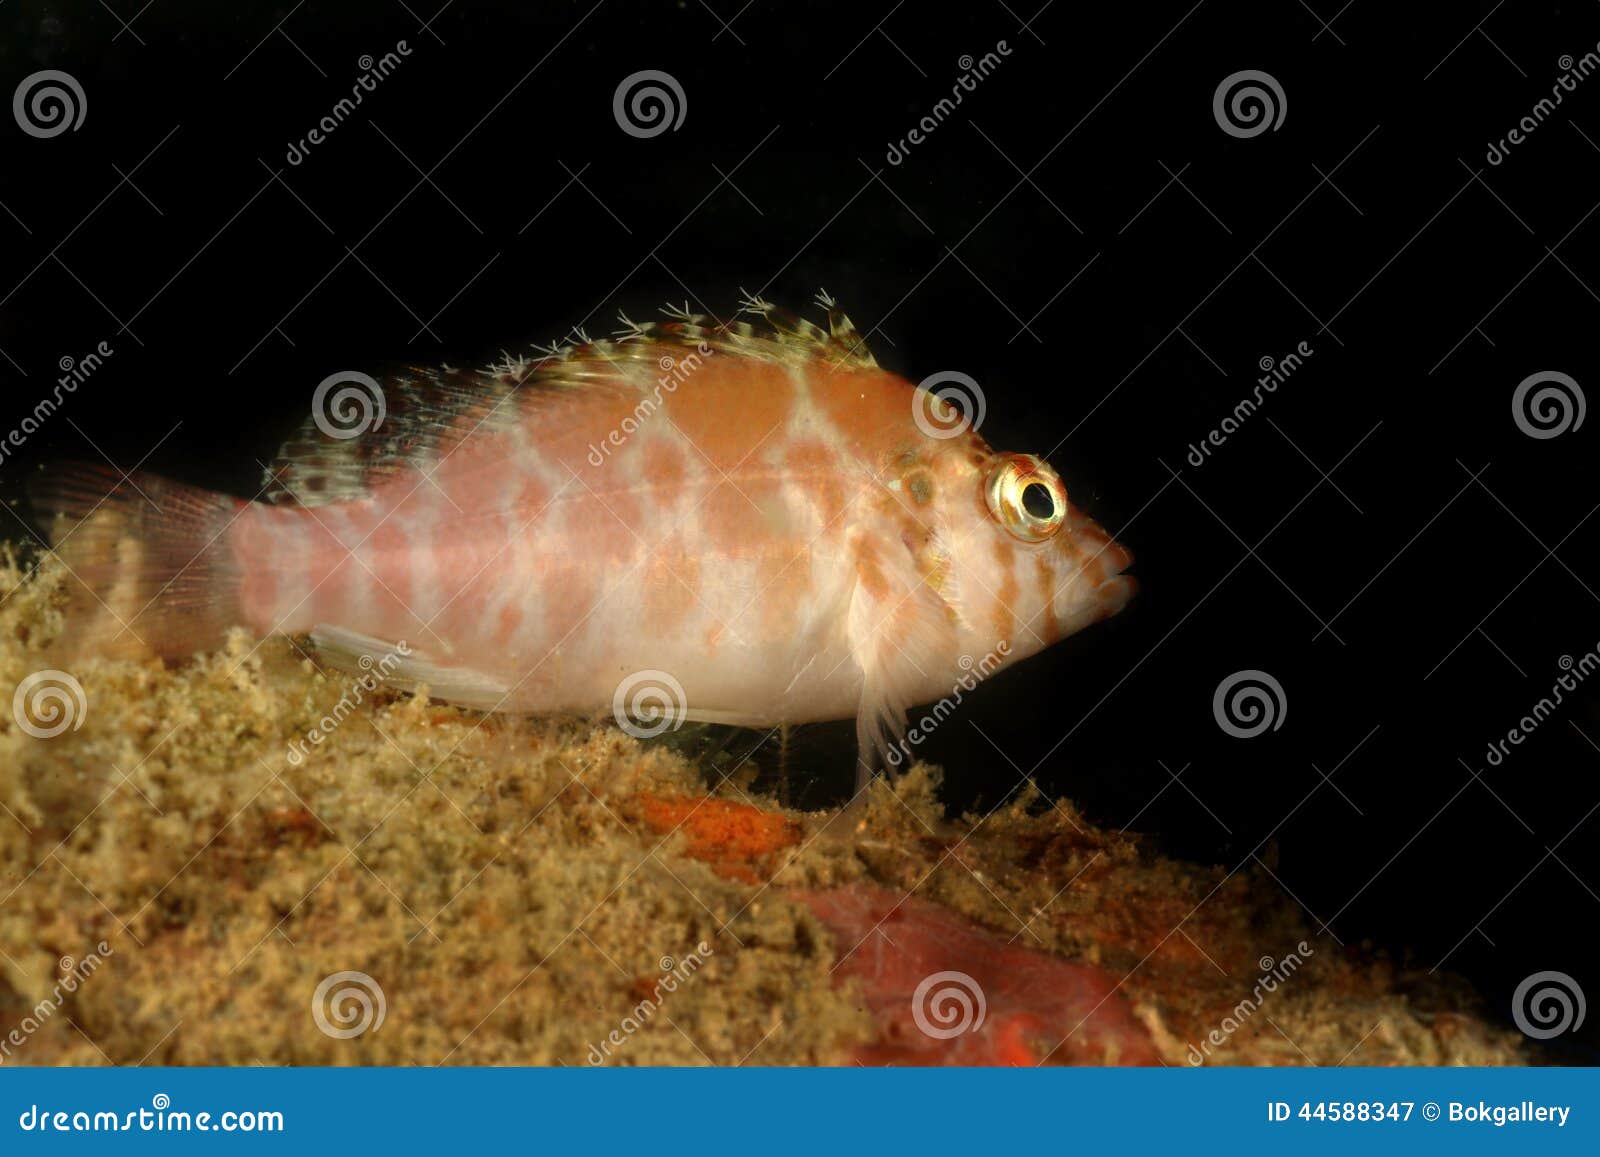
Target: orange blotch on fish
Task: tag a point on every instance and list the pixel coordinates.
(510, 620)
(744, 402)
(871, 409)
(531, 501)
(1047, 588)
(665, 465)
(870, 573)
(1005, 598)
(810, 462)
(727, 515)
(670, 584)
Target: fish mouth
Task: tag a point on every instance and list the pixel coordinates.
(1115, 593)
(1104, 561)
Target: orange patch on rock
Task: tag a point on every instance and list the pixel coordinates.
(293, 826)
(737, 840)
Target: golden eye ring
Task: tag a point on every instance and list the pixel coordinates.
(1026, 496)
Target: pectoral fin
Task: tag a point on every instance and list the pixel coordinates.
(900, 639)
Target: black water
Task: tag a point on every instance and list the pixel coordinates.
(1114, 304)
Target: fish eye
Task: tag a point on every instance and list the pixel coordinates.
(1026, 496)
(1036, 500)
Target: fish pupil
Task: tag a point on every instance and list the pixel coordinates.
(1037, 500)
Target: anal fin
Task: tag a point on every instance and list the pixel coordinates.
(399, 664)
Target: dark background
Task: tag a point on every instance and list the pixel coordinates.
(1080, 236)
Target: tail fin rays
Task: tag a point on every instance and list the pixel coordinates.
(150, 569)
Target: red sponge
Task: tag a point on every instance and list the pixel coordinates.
(946, 991)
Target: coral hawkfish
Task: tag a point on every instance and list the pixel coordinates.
(743, 522)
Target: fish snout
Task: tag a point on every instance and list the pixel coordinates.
(1101, 561)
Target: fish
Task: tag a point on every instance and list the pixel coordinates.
(743, 522)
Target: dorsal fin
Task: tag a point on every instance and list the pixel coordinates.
(413, 417)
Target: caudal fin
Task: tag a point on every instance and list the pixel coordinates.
(150, 569)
